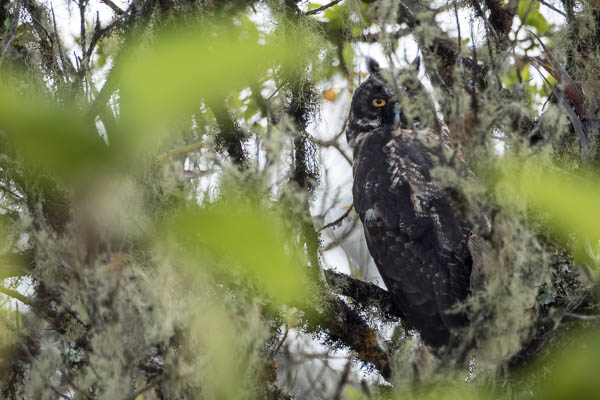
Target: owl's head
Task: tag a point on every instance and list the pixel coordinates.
(382, 101)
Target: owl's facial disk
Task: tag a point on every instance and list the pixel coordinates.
(374, 105)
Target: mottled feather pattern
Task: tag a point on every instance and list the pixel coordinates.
(412, 232)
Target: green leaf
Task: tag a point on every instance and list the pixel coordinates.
(566, 203)
(184, 67)
(570, 374)
(530, 16)
(54, 138)
(251, 239)
(160, 85)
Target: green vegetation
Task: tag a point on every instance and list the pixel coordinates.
(162, 194)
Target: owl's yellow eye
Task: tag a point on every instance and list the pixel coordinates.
(378, 102)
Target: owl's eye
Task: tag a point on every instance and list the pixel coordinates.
(378, 102)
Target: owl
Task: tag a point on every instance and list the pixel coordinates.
(412, 228)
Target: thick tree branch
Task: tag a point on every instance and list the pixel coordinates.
(346, 326)
(365, 294)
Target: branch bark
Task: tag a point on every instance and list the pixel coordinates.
(231, 136)
(366, 294)
(346, 326)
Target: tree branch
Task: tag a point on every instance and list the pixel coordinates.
(114, 7)
(346, 326)
(16, 295)
(366, 294)
(322, 8)
(337, 221)
(231, 136)
(550, 6)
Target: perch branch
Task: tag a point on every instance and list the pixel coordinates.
(346, 326)
(366, 294)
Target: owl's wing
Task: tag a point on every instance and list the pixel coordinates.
(412, 231)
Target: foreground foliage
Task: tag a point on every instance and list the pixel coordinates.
(159, 190)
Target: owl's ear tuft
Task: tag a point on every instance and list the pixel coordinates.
(373, 66)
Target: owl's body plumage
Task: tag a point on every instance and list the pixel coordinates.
(413, 231)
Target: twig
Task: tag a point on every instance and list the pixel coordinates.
(99, 33)
(582, 316)
(550, 6)
(337, 221)
(343, 380)
(524, 19)
(143, 390)
(82, 5)
(8, 190)
(79, 390)
(58, 392)
(337, 240)
(16, 295)
(66, 63)
(39, 23)
(178, 152)
(322, 8)
(572, 90)
(275, 92)
(114, 7)
(374, 37)
(285, 335)
(407, 16)
(580, 131)
(458, 37)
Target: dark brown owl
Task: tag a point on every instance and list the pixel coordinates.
(413, 231)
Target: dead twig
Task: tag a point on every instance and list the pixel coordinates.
(322, 8)
(337, 221)
(550, 6)
(114, 7)
(343, 381)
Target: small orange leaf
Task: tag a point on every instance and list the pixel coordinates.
(329, 94)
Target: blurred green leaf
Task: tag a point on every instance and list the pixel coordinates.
(530, 16)
(253, 240)
(348, 54)
(171, 78)
(53, 137)
(24, 35)
(569, 373)
(160, 84)
(569, 203)
(448, 389)
(224, 348)
(347, 17)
